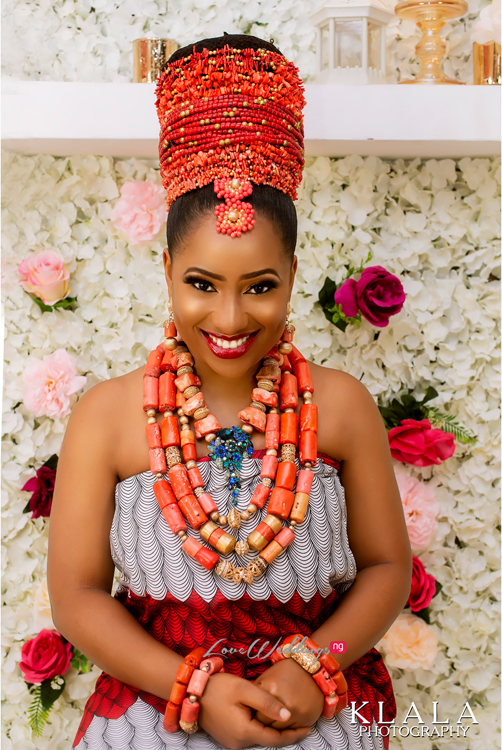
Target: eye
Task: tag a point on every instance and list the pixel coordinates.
(262, 287)
(200, 284)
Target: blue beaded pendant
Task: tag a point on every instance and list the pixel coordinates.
(228, 451)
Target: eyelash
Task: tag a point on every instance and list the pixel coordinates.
(194, 281)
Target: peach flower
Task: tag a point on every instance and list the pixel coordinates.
(487, 27)
(141, 210)
(50, 382)
(410, 643)
(420, 511)
(45, 276)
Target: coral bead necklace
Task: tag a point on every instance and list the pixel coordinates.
(170, 384)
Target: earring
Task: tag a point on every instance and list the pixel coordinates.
(285, 344)
(170, 331)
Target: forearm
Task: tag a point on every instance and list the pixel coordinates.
(366, 611)
(106, 632)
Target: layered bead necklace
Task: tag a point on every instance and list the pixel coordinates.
(170, 384)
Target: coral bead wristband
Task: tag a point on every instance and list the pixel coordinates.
(182, 709)
(324, 669)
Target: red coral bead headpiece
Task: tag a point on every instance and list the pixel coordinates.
(232, 117)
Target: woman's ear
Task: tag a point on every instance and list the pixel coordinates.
(168, 269)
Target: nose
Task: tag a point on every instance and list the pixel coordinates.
(229, 316)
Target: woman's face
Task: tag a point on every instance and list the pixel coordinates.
(230, 294)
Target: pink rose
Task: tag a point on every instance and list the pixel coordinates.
(417, 443)
(50, 382)
(141, 210)
(45, 657)
(410, 643)
(420, 511)
(45, 276)
(423, 587)
(378, 294)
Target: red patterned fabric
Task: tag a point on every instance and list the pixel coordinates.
(182, 626)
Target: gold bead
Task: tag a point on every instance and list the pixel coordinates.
(266, 481)
(252, 508)
(285, 347)
(183, 420)
(225, 569)
(242, 548)
(189, 727)
(245, 515)
(151, 420)
(238, 574)
(184, 370)
(271, 452)
(168, 413)
(159, 475)
(190, 391)
(200, 413)
(215, 516)
(173, 455)
(151, 412)
(170, 344)
(258, 405)
(235, 184)
(257, 566)
(307, 397)
(267, 385)
(181, 413)
(233, 216)
(274, 410)
(191, 464)
(223, 520)
(247, 428)
(210, 437)
(234, 519)
(289, 410)
(198, 491)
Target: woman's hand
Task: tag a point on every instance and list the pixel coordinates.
(226, 713)
(293, 686)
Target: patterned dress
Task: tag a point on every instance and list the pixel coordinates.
(183, 605)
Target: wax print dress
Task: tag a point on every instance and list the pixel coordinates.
(183, 605)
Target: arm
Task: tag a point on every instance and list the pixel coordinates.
(80, 578)
(376, 530)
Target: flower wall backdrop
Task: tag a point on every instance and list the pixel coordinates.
(91, 40)
(433, 223)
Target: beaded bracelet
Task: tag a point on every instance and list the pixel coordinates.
(182, 709)
(323, 668)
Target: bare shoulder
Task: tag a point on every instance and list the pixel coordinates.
(347, 411)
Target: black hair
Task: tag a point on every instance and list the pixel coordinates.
(267, 201)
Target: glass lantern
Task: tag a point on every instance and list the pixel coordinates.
(351, 41)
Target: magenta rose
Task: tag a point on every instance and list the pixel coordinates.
(42, 487)
(45, 657)
(423, 587)
(417, 443)
(378, 294)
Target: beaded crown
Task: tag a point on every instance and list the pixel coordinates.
(230, 116)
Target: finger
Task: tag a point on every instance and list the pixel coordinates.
(255, 697)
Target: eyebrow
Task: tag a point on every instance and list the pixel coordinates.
(218, 277)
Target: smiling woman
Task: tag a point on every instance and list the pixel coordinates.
(242, 533)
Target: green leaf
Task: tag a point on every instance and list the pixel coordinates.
(50, 690)
(52, 462)
(65, 303)
(447, 423)
(27, 508)
(327, 293)
(438, 589)
(80, 662)
(37, 714)
(352, 269)
(424, 614)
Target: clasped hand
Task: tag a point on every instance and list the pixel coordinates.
(241, 714)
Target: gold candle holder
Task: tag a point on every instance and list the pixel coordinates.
(486, 59)
(430, 17)
(150, 56)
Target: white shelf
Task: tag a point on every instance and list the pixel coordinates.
(391, 121)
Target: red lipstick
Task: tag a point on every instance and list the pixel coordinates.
(233, 353)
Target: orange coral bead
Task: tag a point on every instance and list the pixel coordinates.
(302, 372)
(163, 493)
(170, 432)
(167, 392)
(271, 440)
(189, 452)
(308, 447)
(206, 426)
(288, 392)
(273, 422)
(171, 717)
(260, 495)
(280, 503)
(305, 479)
(295, 356)
(190, 507)
(150, 393)
(165, 366)
(153, 363)
(264, 397)
(308, 417)
(189, 711)
(179, 481)
(178, 693)
(184, 672)
(170, 331)
(153, 436)
(207, 558)
(157, 461)
(269, 467)
(289, 428)
(173, 516)
(286, 475)
(195, 657)
(195, 478)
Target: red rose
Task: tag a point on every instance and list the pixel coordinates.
(423, 587)
(418, 444)
(42, 486)
(45, 656)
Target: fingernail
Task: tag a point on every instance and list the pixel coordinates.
(284, 713)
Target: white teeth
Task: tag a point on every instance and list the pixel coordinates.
(228, 344)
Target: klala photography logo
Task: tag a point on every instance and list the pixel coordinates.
(295, 646)
(437, 728)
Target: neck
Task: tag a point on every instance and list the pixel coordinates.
(234, 389)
